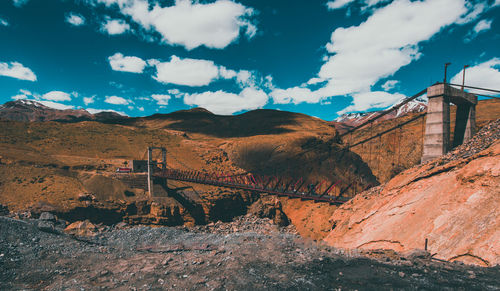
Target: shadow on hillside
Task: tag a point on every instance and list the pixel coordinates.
(314, 160)
(258, 122)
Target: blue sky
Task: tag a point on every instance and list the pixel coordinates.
(322, 58)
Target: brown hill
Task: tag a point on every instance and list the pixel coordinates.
(57, 162)
(452, 201)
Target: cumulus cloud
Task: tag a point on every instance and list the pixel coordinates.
(88, 100)
(390, 84)
(19, 3)
(161, 99)
(122, 63)
(295, 95)
(94, 111)
(368, 100)
(188, 72)
(57, 96)
(485, 75)
(17, 70)
(336, 4)
(75, 19)
(189, 23)
(481, 26)
(56, 105)
(116, 100)
(360, 56)
(3, 22)
(115, 26)
(221, 102)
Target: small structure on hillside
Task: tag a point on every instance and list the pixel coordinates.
(437, 127)
(139, 166)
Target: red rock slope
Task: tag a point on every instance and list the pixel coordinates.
(453, 201)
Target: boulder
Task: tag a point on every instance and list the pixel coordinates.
(81, 228)
(280, 219)
(46, 226)
(47, 216)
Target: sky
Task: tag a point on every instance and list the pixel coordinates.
(323, 58)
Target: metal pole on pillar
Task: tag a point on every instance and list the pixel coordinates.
(164, 156)
(463, 78)
(445, 71)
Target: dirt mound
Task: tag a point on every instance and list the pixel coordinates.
(451, 201)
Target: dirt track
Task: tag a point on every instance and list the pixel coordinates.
(223, 256)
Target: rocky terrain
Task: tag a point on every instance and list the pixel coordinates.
(452, 202)
(248, 254)
(73, 222)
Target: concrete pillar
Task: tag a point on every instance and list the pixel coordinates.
(437, 127)
(470, 128)
(461, 120)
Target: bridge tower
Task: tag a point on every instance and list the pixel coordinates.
(153, 163)
(437, 127)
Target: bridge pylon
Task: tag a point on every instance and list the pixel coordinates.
(152, 163)
(437, 127)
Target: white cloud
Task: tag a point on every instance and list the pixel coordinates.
(362, 55)
(294, 95)
(367, 100)
(190, 23)
(19, 97)
(161, 99)
(88, 100)
(188, 72)
(366, 53)
(130, 64)
(3, 22)
(17, 70)
(25, 92)
(390, 84)
(19, 3)
(75, 19)
(336, 4)
(116, 100)
(221, 102)
(227, 74)
(57, 96)
(483, 25)
(94, 111)
(115, 26)
(56, 105)
(485, 75)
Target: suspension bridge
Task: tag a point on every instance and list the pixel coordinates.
(436, 138)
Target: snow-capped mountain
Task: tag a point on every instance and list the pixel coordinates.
(30, 110)
(350, 120)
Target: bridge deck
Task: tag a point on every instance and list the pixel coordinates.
(250, 182)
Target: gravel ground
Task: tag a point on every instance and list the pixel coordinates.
(259, 258)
